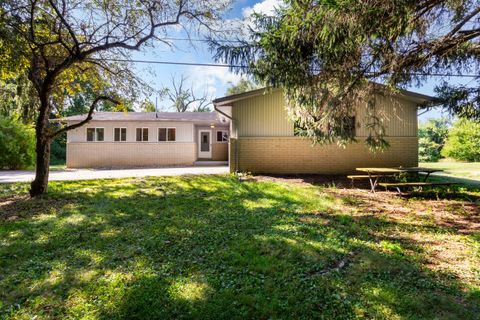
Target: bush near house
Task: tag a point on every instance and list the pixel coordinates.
(17, 144)
(463, 142)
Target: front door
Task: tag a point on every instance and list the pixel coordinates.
(204, 144)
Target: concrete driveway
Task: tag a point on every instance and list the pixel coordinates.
(88, 174)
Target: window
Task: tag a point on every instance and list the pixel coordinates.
(222, 136)
(120, 134)
(167, 134)
(95, 134)
(142, 134)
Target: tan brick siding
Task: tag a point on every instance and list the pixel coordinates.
(111, 154)
(297, 155)
(220, 151)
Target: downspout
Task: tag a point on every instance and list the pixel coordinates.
(236, 134)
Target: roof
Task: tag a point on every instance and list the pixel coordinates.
(148, 116)
(409, 95)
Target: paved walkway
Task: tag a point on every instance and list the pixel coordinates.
(88, 174)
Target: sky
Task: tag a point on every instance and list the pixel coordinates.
(214, 81)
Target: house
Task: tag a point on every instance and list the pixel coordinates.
(143, 139)
(263, 139)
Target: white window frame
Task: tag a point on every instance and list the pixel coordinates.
(158, 134)
(95, 137)
(148, 138)
(113, 134)
(222, 131)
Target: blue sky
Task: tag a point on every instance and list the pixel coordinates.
(215, 80)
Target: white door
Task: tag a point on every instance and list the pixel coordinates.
(204, 144)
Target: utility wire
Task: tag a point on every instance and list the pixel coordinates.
(247, 67)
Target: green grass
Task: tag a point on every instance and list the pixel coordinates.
(467, 170)
(212, 247)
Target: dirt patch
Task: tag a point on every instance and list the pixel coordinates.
(338, 181)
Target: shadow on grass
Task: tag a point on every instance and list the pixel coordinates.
(210, 247)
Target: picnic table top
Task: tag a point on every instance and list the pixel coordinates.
(398, 170)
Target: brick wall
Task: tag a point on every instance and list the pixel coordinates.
(129, 154)
(296, 155)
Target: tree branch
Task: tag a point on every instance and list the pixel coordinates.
(87, 119)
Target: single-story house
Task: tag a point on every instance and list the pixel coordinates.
(142, 139)
(263, 139)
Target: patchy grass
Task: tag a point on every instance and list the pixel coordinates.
(467, 170)
(211, 247)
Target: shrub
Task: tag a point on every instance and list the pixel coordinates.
(432, 136)
(463, 142)
(17, 144)
(58, 153)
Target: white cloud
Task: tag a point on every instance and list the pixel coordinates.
(266, 7)
(210, 79)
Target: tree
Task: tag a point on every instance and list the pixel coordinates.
(463, 142)
(431, 139)
(326, 55)
(184, 99)
(59, 43)
(243, 85)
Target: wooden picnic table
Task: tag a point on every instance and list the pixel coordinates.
(376, 174)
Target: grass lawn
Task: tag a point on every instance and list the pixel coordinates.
(468, 170)
(212, 247)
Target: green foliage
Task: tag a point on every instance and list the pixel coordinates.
(18, 98)
(463, 142)
(148, 106)
(328, 54)
(209, 247)
(58, 151)
(243, 85)
(431, 139)
(17, 144)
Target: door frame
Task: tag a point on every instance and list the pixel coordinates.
(204, 154)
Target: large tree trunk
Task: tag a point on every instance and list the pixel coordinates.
(40, 184)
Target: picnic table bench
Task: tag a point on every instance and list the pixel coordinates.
(375, 174)
(364, 177)
(398, 185)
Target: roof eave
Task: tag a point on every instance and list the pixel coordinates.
(223, 101)
(405, 94)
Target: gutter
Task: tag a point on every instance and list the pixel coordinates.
(236, 133)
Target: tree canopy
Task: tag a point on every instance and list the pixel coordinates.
(431, 139)
(327, 54)
(463, 141)
(243, 85)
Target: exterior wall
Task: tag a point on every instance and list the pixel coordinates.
(129, 154)
(399, 117)
(297, 155)
(265, 116)
(262, 116)
(132, 153)
(220, 151)
(184, 130)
